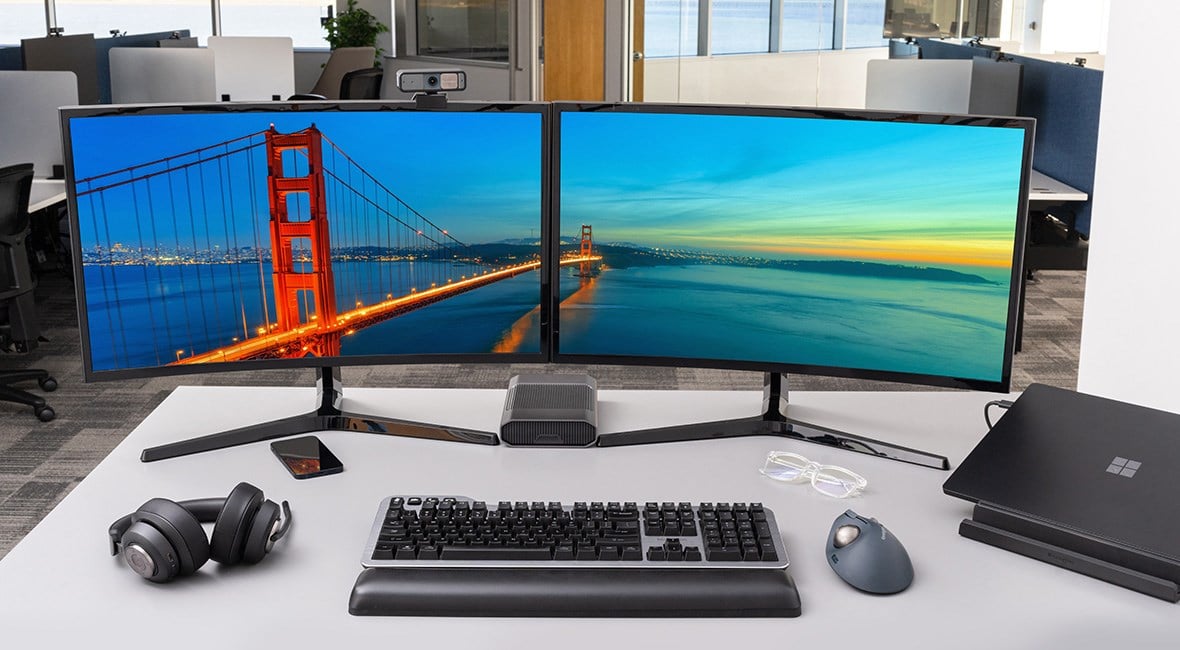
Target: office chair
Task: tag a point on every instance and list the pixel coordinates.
(362, 84)
(16, 288)
(342, 61)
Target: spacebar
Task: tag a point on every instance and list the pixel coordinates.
(494, 553)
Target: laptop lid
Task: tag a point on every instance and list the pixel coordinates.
(1086, 463)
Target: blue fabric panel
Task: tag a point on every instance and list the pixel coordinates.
(10, 59)
(936, 49)
(1065, 100)
(104, 45)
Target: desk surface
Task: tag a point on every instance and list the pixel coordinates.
(60, 586)
(46, 192)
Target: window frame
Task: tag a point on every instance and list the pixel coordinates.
(216, 29)
(775, 36)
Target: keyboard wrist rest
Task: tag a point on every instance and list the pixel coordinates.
(579, 593)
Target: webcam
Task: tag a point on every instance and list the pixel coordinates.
(431, 81)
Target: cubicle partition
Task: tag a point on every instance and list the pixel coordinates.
(75, 53)
(1065, 100)
(10, 58)
(253, 67)
(978, 86)
(162, 75)
(29, 126)
(103, 46)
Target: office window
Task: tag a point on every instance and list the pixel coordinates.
(473, 29)
(21, 20)
(670, 27)
(740, 26)
(299, 19)
(100, 18)
(865, 23)
(807, 25)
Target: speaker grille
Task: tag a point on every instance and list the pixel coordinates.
(552, 396)
(577, 434)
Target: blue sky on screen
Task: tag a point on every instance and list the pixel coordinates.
(476, 174)
(791, 187)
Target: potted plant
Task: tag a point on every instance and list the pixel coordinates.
(354, 27)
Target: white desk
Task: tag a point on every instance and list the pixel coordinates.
(60, 588)
(45, 193)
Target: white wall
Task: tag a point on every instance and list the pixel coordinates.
(1131, 328)
(835, 78)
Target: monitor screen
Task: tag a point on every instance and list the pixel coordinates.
(857, 244)
(273, 235)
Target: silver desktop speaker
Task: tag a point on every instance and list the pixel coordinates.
(550, 411)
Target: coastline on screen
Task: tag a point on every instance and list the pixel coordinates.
(834, 243)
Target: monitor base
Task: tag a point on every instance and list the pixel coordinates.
(327, 417)
(774, 422)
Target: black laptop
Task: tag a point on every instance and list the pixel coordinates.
(1088, 483)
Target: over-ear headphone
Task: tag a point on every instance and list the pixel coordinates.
(163, 539)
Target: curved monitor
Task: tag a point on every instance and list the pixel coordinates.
(854, 244)
(246, 236)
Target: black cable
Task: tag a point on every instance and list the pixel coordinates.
(1002, 403)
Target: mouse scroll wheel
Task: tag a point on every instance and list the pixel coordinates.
(845, 535)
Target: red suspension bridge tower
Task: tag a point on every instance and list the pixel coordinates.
(286, 229)
(585, 252)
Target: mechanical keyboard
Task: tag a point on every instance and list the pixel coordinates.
(453, 555)
(457, 531)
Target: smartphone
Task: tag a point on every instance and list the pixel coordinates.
(306, 457)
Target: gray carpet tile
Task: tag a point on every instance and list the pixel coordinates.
(41, 462)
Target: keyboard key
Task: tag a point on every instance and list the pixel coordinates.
(452, 552)
(723, 554)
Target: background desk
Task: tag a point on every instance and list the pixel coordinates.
(1045, 189)
(46, 193)
(60, 588)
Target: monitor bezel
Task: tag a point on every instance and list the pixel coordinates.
(1002, 385)
(90, 374)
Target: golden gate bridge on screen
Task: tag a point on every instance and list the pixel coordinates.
(316, 197)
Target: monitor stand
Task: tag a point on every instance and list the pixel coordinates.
(774, 422)
(327, 416)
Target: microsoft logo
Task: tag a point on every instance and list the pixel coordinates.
(1123, 467)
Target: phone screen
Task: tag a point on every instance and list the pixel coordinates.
(306, 457)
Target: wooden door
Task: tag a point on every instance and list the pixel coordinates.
(573, 35)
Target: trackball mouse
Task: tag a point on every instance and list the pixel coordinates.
(867, 556)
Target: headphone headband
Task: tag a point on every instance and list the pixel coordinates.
(205, 510)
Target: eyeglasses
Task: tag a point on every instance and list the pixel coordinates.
(827, 479)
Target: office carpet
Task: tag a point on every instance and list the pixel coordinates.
(41, 462)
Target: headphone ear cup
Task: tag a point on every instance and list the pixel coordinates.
(233, 523)
(258, 539)
(179, 528)
(148, 553)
